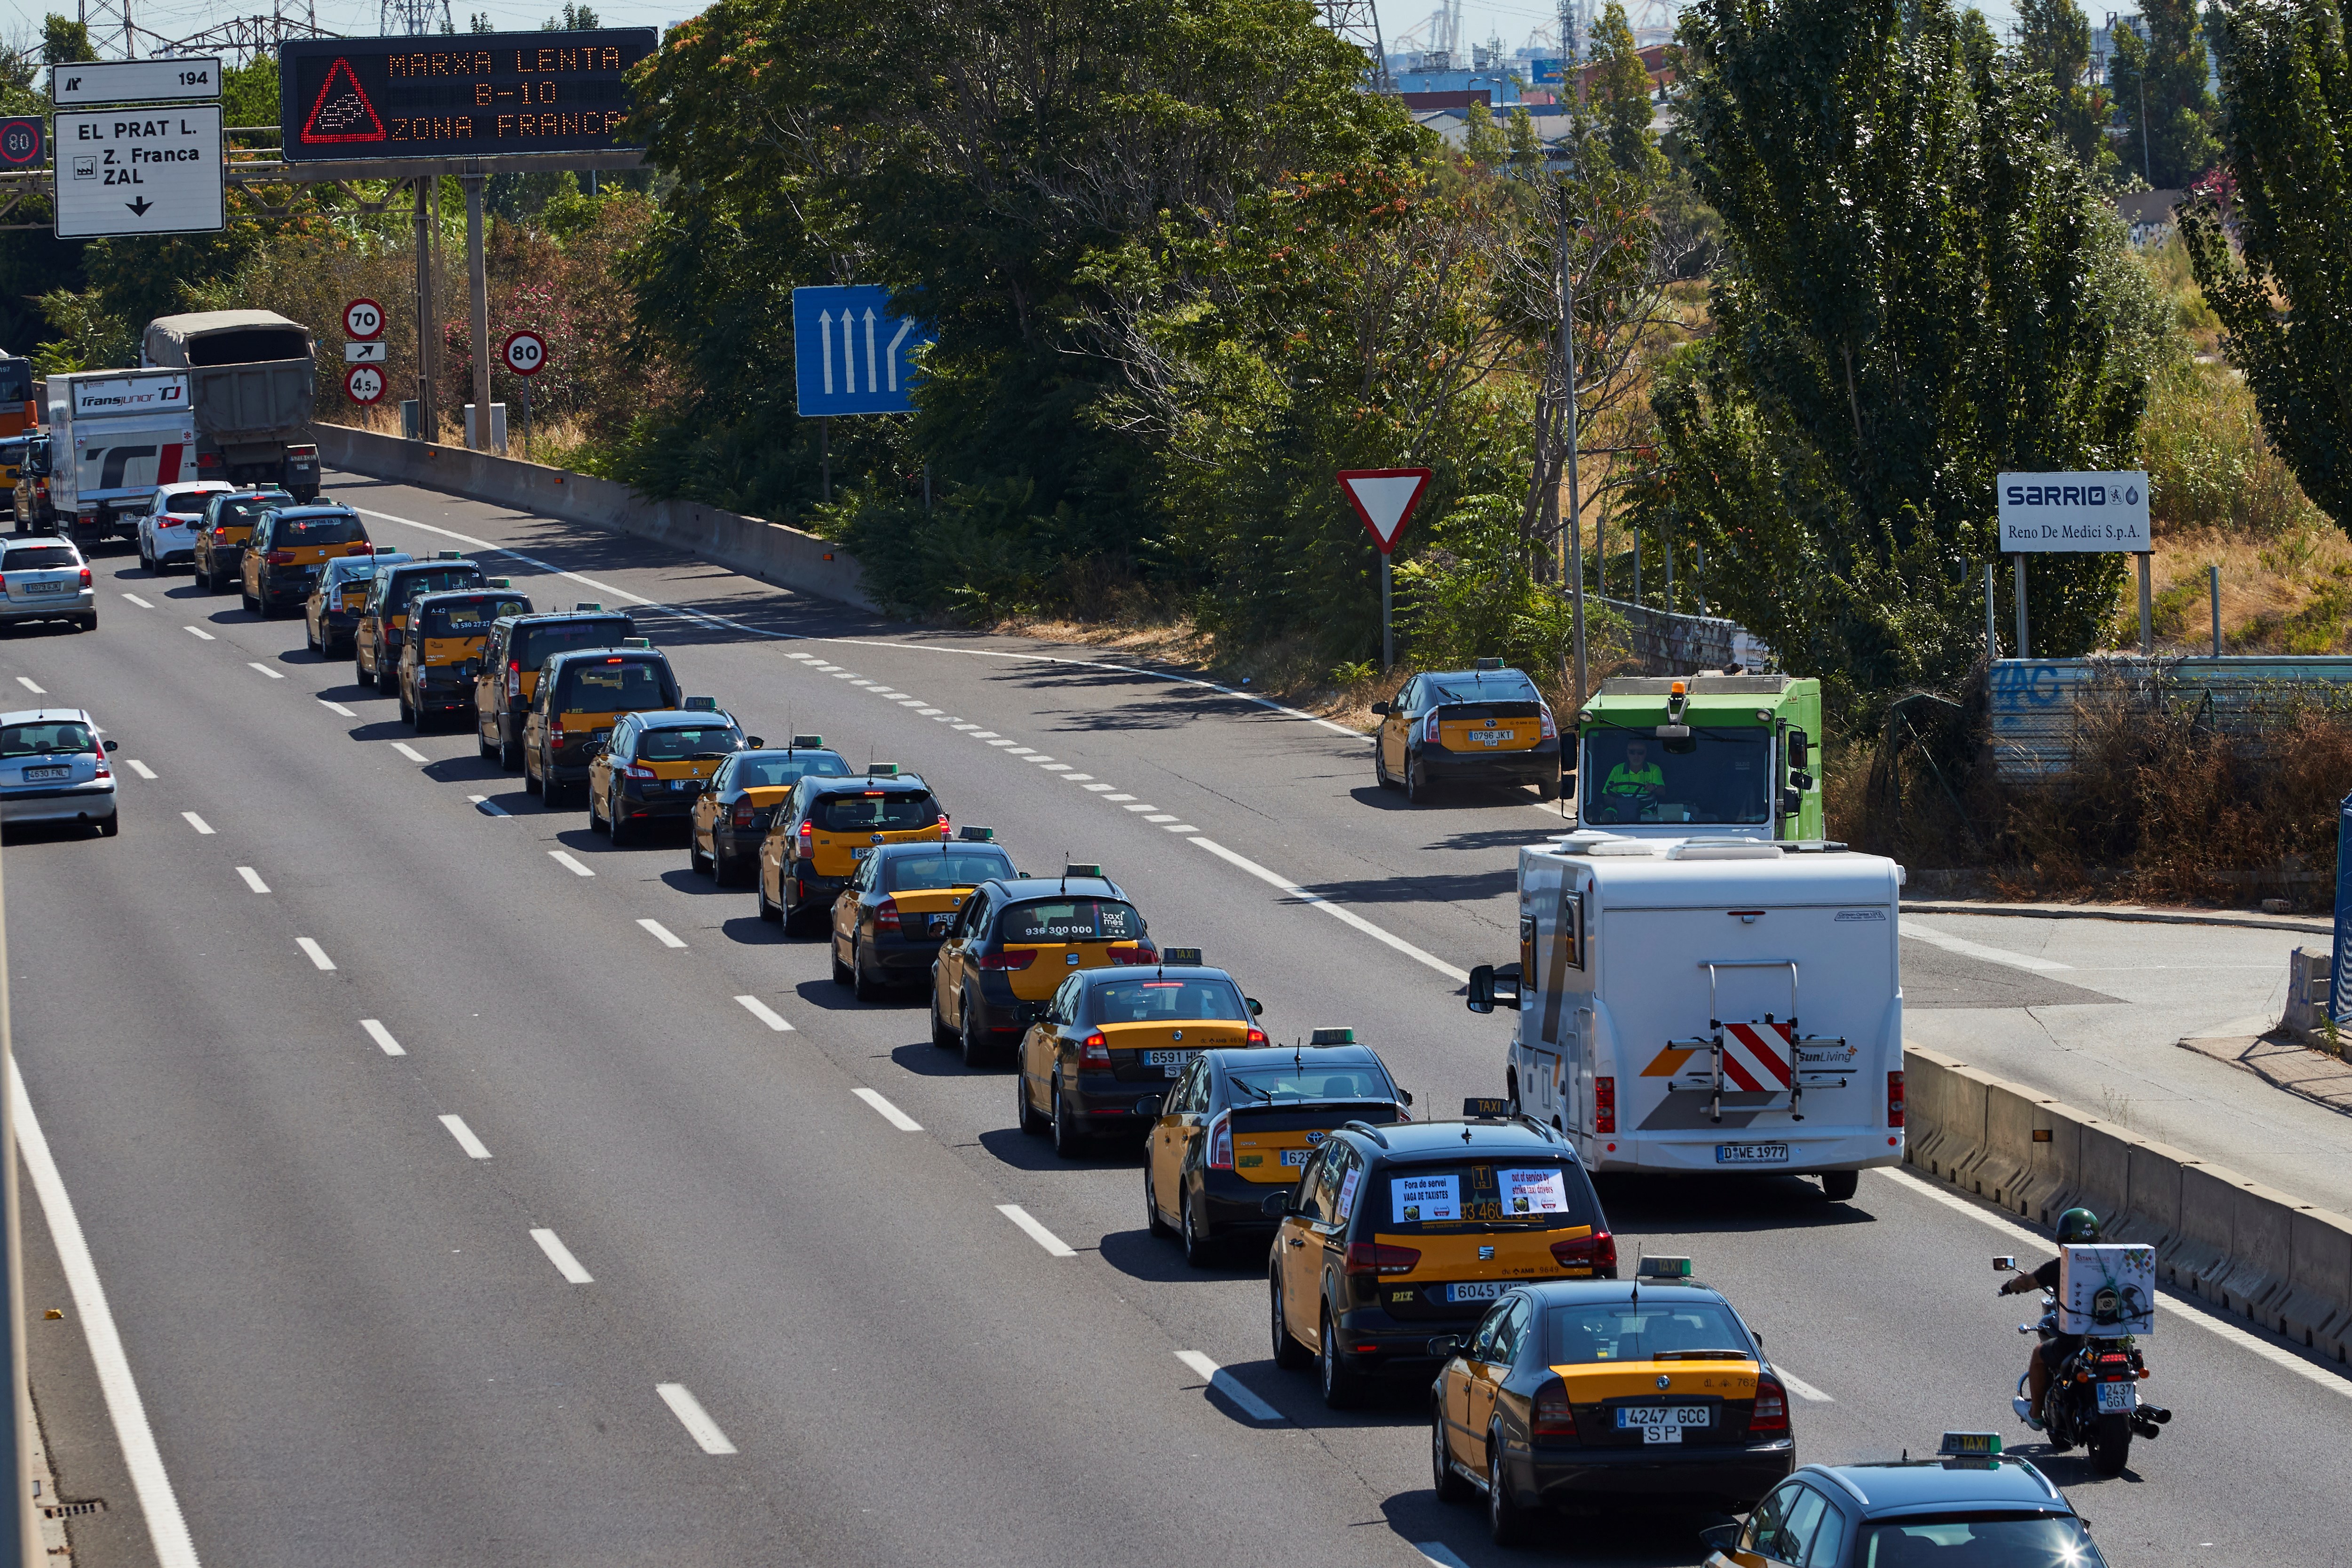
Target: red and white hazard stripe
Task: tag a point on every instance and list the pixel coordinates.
(1757, 1057)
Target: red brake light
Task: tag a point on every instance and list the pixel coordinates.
(744, 813)
(1429, 729)
(1552, 1417)
(280, 558)
(361, 549)
(1094, 1051)
(1597, 1252)
(1380, 1257)
(1134, 953)
(1255, 1037)
(944, 824)
(1221, 1142)
(1894, 1100)
(1604, 1105)
(85, 577)
(886, 914)
(808, 833)
(637, 770)
(1771, 1412)
(1020, 958)
(1551, 730)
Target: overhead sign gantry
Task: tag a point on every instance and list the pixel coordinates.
(458, 95)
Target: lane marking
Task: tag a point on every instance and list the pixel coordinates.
(1229, 1386)
(1437, 1552)
(1041, 759)
(411, 753)
(1337, 911)
(256, 664)
(1098, 788)
(27, 682)
(2308, 1371)
(138, 601)
(1179, 828)
(694, 1418)
(337, 708)
(1119, 797)
(560, 1255)
(199, 632)
(1069, 777)
(167, 1528)
(142, 768)
(198, 823)
(563, 859)
(317, 954)
(382, 1036)
(927, 713)
(1798, 1386)
(487, 806)
(1054, 1245)
(1968, 948)
(963, 727)
(766, 1015)
(1162, 817)
(889, 1112)
(986, 735)
(1145, 805)
(252, 879)
(870, 684)
(474, 1147)
(1013, 751)
(1053, 767)
(660, 933)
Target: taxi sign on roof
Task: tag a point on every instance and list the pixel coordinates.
(1666, 1268)
(1331, 1038)
(1481, 1109)
(1179, 955)
(1970, 1445)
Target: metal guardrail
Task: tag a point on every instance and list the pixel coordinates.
(2036, 703)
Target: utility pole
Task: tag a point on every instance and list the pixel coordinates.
(426, 427)
(1575, 535)
(479, 436)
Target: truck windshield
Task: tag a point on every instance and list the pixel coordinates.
(1710, 776)
(15, 381)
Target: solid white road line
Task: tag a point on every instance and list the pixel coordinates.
(474, 1147)
(382, 1036)
(198, 823)
(337, 708)
(1968, 948)
(1798, 1386)
(411, 753)
(1046, 1238)
(765, 1014)
(694, 1418)
(28, 683)
(560, 1255)
(167, 1530)
(1437, 1552)
(198, 632)
(574, 866)
(2309, 1371)
(256, 664)
(252, 879)
(487, 806)
(142, 768)
(891, 1113)
(1461, 976)
(138, 601)
(660, 933)
(1229, 1386)
(317, 954)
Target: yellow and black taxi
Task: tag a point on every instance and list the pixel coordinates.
(508, 672)
(442, 651)
(826, 825)
(730, 821)
(1969, 1503)
(1239, 1125)
(580, 696)
(1483, 725)
(331, 612)
(290, 546)
(383, 619)
(1099, 1059)
(228, 523)
(1394, 1234)
(1014, 942)
(656, 764)
(1572, 1395)
(887, 924)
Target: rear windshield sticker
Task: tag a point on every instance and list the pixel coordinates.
(1418, 1199)
(1533, 1192)
(1348, 1192)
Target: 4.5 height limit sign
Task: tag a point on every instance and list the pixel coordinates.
(139, 171)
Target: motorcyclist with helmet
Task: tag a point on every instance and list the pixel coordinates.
(2077, 1226)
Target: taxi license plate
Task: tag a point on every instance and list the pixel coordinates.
(1491, 737)
(600, 734)
(1661, 1423)
(2114, 1396)
(939, 923)
(1295, 1157)
(860, 851)
(1751, 1153)
(684, 784)
(1474, 1290)
(1173, 1059)
(35, 774)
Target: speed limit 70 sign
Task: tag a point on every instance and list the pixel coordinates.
(364, 318)
(525, 354)
(364, 383)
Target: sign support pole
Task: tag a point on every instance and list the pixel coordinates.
(16, 1515)
(2340, 981)
(1575, 500)
(427, 428)
(2024, 643)
(2214, 576)
(1992, 633)
(2147, 609)
(478, 277)
(526, 418)
(825, 456)
(1388, 630)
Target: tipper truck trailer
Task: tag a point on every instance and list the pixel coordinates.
(252, 381)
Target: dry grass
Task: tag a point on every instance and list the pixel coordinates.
(2290, 594)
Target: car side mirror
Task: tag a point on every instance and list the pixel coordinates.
(2005, 1265)
(1276, 1204)
(1381, 709)
(1719, 1537)
(1793, 801)
(1447, 1346)
(1491, 988)
(1149, 1106)
(1801, 747)
(113, 745)
(1255, 1007)
(753, 743)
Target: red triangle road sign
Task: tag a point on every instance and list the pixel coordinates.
(341, 111)
(1383, 497)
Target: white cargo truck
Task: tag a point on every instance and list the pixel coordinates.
(1693, 1004)
(113, 436)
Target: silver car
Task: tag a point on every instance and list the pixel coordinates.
(46, 580)
(167, 528)
(53, 769)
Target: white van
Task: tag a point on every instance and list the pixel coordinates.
(1690, 1006)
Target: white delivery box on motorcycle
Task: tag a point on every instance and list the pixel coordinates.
(2106, 1290)
(1703, 1005)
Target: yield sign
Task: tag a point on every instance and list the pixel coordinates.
(1383, 497)
(341, 111)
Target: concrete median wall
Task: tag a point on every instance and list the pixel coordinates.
(2254, 1251)
(769, 551)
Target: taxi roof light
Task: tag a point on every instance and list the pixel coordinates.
(1666, 1268)
(971, 833)
(637, 642)
(448, 555)
(1180, 955)
(882, 770)
(586, 605)
(1487, 664)
(808, 742)
(499, 582)
(1080, 869)
(1478, 1109)
(700, 704)
(1970, 1445)
(1331, 1036)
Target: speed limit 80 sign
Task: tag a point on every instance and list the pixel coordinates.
(525, 354)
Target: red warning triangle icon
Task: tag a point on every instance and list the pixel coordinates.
(341, 111)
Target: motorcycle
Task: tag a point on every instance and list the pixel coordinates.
(2093, 1400)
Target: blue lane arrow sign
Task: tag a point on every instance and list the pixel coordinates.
(850, 354)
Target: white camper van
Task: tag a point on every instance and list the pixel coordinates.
(1690, 1006)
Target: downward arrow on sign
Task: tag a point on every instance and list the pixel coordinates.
(140, 206)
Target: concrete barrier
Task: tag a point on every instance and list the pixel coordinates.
(2033, 1150)
(2317, 1305)
(769, 551)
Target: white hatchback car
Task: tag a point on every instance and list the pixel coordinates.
(46, 580)
(167, 528)
(53, 768)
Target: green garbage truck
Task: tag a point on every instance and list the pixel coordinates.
(1701, 756)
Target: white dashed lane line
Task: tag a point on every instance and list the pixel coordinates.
(660, 933)
(889, 1112)
(252, 879)
(337, 708)
(27, 682)
(765, 1014)
(142, 768)
(560, 1255)
(694, 1418)
(382, 1036)
(576, 868)
(474, 1147)
(138, 601)
(1459, 976)
(1054, 1245)
(1232, 1387)
(411, 753)
(198, 823)
(1798, 1386)
(487, 806)
(256, 664)
(199, 632)
(314, 953)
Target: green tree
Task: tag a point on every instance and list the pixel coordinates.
(2054, 36)
(1483, 141)
(63, 40)
(2159, 84)
(249, 92)
(2284, 298)
(1620, 96)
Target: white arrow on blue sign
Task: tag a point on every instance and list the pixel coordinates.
(850, 354)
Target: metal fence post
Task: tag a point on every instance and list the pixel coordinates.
(2214, 576)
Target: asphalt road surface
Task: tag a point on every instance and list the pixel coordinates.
(453, 1206)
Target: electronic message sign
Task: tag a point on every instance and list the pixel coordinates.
(452, 95)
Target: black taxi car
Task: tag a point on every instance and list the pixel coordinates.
(332, 610)
(383, 619)
(1483, 725)
(1397, 1234)
(656, 764)
(443, 649)
(887, 924)
(1574, 1394)
(509, 671)
(1012, 943)
(581, 695)
(729, 820)
(1239, 1126)
(826, 825)
(289, 546)
(228, 522)
(1970, 1503)
(1099, 1059)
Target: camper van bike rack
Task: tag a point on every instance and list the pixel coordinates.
(1768, 1057)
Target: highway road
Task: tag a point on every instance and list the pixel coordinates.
(465, 1190)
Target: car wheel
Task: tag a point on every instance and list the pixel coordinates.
(1340, 1386)
(510, 756)
(1416, 783)
(387, 681)
(1288, 1353)
(1069, 1138)
(1024, 1115)
(615, 828)
(1445, 1479)
(865, 987)
(408, 712)
(1839, 1186)
(483, 746)
(1506, 1521)
(722, 865)
(694, 862)
(841, 975)
(1547, 790)
(88, 623)
(975, 1053)
(1199, 1251)
(768, 912)
(1152, 1220)
(1381, 765)
(110, 825)
(942, 1036)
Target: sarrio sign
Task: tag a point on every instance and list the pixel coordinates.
(2105, 512)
